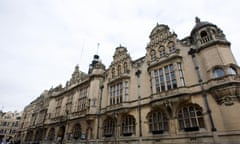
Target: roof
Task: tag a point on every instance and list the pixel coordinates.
(199, 24)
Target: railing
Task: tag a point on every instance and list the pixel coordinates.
(223, 80)
(205, 39)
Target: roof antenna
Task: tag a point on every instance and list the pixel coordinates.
(98, 44)
(82, 49)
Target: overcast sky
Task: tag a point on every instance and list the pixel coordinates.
(41, 41)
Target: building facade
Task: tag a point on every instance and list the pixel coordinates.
(181, 91)
(9, 123)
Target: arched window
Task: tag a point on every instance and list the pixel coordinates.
(113, 72)
(218, 72)
(125, 67)
(109, 127)
(190, 118)
(171, 47)
(232, 70)
(162, 51)
(158, 122)
(77, 131)
(128, 125)
(51, 134)
(119, 69)
(203, 34)
(153, 55)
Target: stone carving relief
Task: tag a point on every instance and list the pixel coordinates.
(227, 95)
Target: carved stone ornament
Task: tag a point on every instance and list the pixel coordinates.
(227, 100)
(226, 95)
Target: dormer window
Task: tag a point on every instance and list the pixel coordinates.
(218, 72)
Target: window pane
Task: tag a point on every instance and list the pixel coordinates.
(158, 121)
(190, 117)
(232, 71)
(218, 72)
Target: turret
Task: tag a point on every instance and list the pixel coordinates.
(96, 71)
(96, 63)
(205, 34)
(212, 48)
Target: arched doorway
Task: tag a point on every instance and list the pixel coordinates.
(29, 136)
(60, 134)
(51, 134)
(38, 136)
(77, 131)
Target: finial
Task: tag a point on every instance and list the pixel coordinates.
(197, 20)
(77, 67)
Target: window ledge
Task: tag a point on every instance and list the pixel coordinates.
(127, 134)
(191, 129)
(157, 132)
(108, 135)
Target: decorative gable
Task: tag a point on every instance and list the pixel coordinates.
(121, 62)
(162, 43)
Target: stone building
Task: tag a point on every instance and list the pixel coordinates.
(181, 91)
(9, 123)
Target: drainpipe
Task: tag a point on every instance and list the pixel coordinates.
(138, 72)
(99, 111)
(204, 94)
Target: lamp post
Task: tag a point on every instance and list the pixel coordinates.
(204, 94)
(138, 72)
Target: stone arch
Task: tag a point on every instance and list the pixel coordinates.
(171, 46)
(39, 135)
(60, 133)
(153, 54)
(113, 72)
(119, 69)
(125, 67)
(109, 127)
(51, 134)
(158, 121)
(128, 125)
(190, 117)
(77, 131)
(203, 34)
(162, 51)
